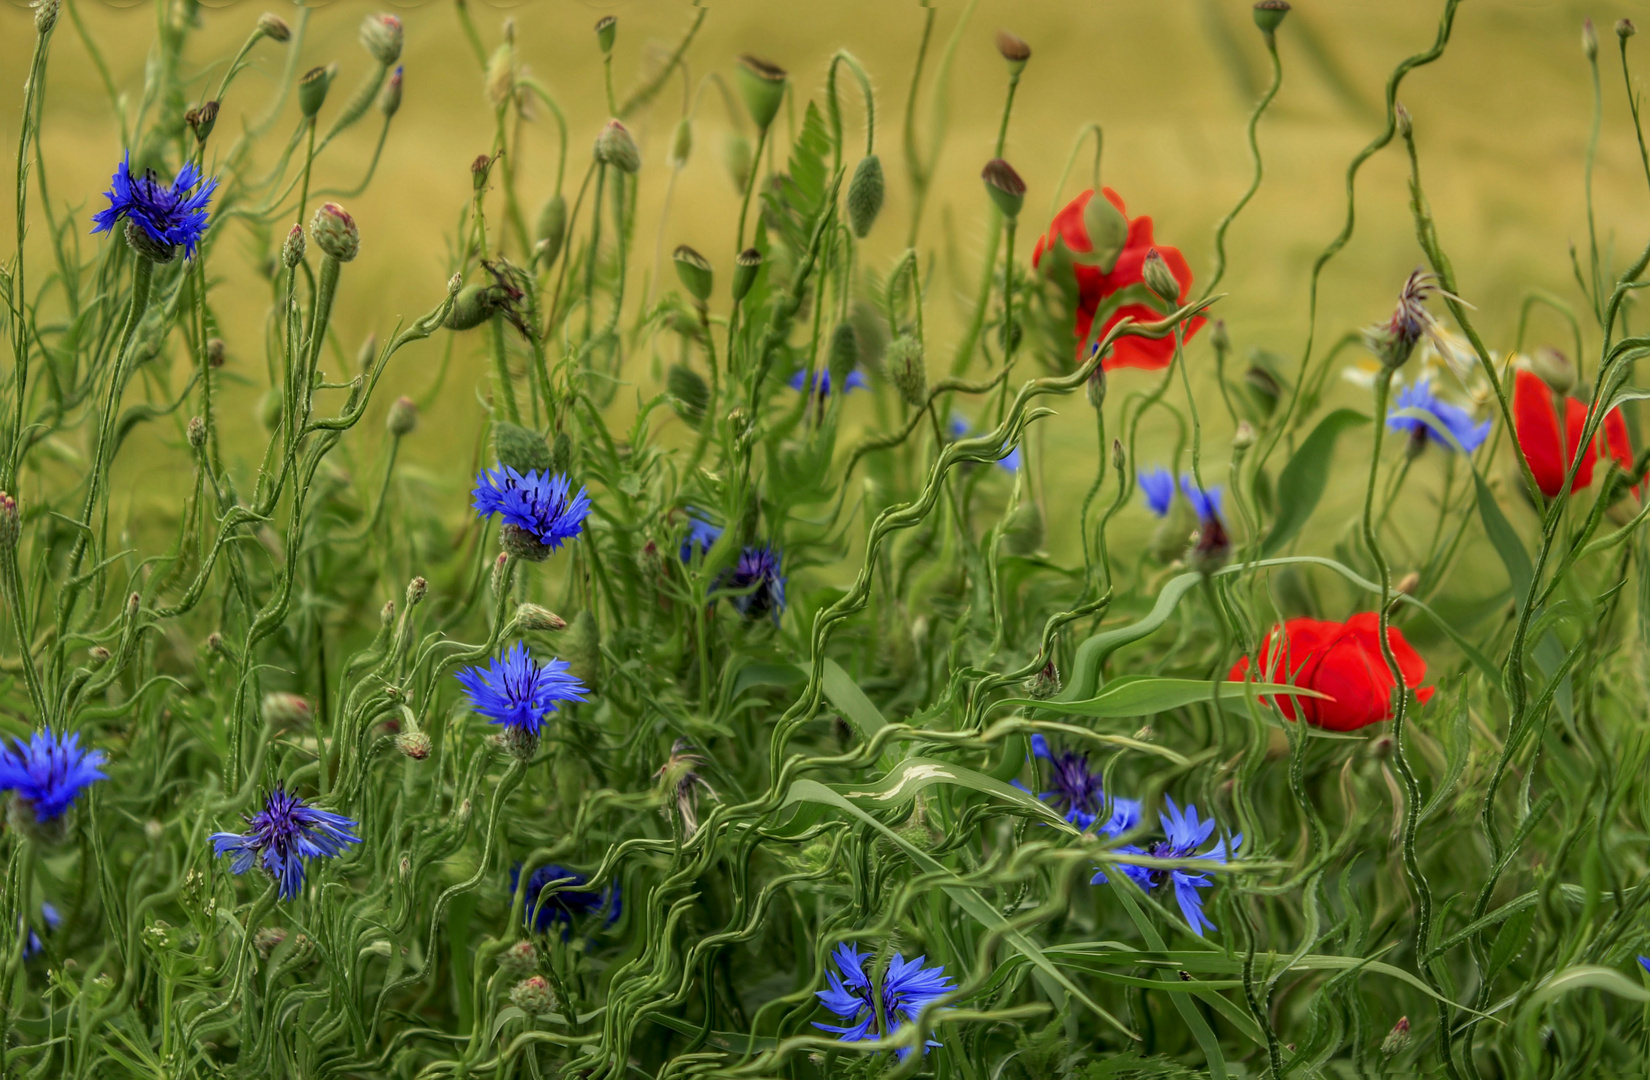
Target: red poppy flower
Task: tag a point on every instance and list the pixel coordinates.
(1549, 452)
(1342, 661)
(1094, 285)
(1618, 445)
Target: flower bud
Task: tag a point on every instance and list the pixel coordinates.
(1108, 233)
(197, 432)
(1589, 40)
(45, 15)
(381, 36)
(1118, 458)
(843, 355)
(1408, 583)
(284, 710)
(499, 576)
(736, 158)
(681, 143)
(519, 958)
(98, 655)
(401, 419)
(1045, 684)
(202, 120)
(907, 369)
(274, 27)
(1555, 369)
(1398, 1038)
(1160, 279)
(607, 28)
(745, 266)
(312, 89)
(615, 147)
(292, 252)
(865, 192)
(414, 744)
(334, 232)
(1269, 15)
(1004, 186)
(534, 617)
(533, 996)
(1097, 386)
(1219, 338)
(695, 272)
(762, 85)
(270, 408)
(1401, 117)
(215, 352)
(367, 355)
(268, 939)
(691, 397)
(501, 75)
(1625, 29)
(1244, 437)
(1014, 50)
(551, 228)
(479, 168)
(417, 588)
(11, 526)
(389, 99)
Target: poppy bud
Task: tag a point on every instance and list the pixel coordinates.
(381, 36)
(736, 158)
(551, 228)
(1096, 388)
(292, 251)
(1159, 278)
(1004, 186)
(865, 193)
(907, 370)
(389, 99)
(274, 27)
(285, 710)
(691, 394)
(1263, 387)
(1108, 232)
(415, 744)
(1589, 40)
(533, 996)
(745, 267)
(1269, 15)
(1625, 29)
(214, 352)
(844, 353)
(197, 432)
(1014, 50)
(762, 85)
(534, 617)
(695, 272)
(1555, 369)
(10, 524)
(607, 28)
(202, 120)
(501, 75)
(402, 418)
(334, 232)
(615, 147)
(1244, 437)
(312, 89)
(1397, 1039)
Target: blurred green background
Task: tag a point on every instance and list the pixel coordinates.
(1501, 120)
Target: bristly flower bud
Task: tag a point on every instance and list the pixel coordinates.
(696, 274)
(45, 15)
(1160, 279)
(745, 266)
(1219, 337)
(534, 617)
(216, 351)
(11, 526)
(1589, 40)
(381, 36)
(402, 418)
(292, 252)
(762, 85)
(417, 589)
(197, 432)
(681, 143)
(1625, 29)
(519, 958)
(312, 89)
(156, 251)
(274, 27)
(1014, 50)
(1004, 186)
(500, 574)
(389, 99)
(1269, 15)
(284, 710)
(615, 147)
(1397, 1039)
(607, 28)
(414, 744)
(908, 370)
(1045, 684)
(522, 544)
(533, 996)
(367, 355)
(865, 192)
(334, 232)
(202, 120)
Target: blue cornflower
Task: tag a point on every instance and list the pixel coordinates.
(701, 534)
(1077, 792)
(1157, 485)
(283, 834)
(757, 571)
(562, 907)
(907, 986)
(33, 945)
(1206, 503)
(1452, 418)
(1645, 962)
(519, 692)
(959, 430)
(822, 382)
(48, 771)
(1183, 834)
(169, 216)
(540, 505)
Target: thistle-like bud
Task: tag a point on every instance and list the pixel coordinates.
(534, 617)
(197, 432)
(607, 28)
(414, 744)
(1397, 1039)
(11, 526)
(1625, 29)
(762, 85)
(312, 89)
(334, 232)
(274, 27)
(98, 655)
(1244, 437)
(389, 98)
(1269, 15)
(292, 251)
(745, 266)
(533, 996)
(1004, 186)
(551, 228)
(681, 143)
(216, 351)
(1160, 279)
(1014, 50)
(1097, 386)
(381, 36)
(519, 958)
(501, 75)
(500, 575)
(865, 192)
(417, 589)
(615, 147)
(1589, 40)
(284, 710)
(1219, 338)
(696, 274)
(401, 419)
(907, 369)
(45, 15)
(386, 614)
(1045, 684)
(737, 159)
(202, 120)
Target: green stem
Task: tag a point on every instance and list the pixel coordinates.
(750, 185)
(501, 371)
(1254, 154)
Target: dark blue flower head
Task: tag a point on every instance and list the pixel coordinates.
(1157, 485)
(1183, 834)
(168, 215)
(907, 986)
(701, 535)
(758, 572)
(282, 835)
(519, 692)
(49, 771)
(1645, 962)
(1451, 418)
(1206, 503)
(543, 912)
(539, 505)
(822, 382)
(32, 945)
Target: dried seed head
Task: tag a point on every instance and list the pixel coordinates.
(197, 432)
(292, 251)
(402, 418)
(1013, 49)
(745, 266)
(274, 27)
(907, 369)
(615, 147)
(215, 352)
(607, 28)
(285, 710)
(1004, 186)
(414, 744)
(389, 99)
(533, 996)
(313, 87)
(1589, 40)
(534, 617)
(1269, 15)
(762, 85)
(1393, 341)
(334, 232)
(865, 194)
(381, 36)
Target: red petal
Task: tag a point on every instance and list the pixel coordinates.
(1536, 424)
(1575, 418)
(1621, 447)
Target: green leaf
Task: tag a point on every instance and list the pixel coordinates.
(842, 692)
(1146, 695)
(1502, 536)
(913, 774)
(1302, 481)
(1514, 935)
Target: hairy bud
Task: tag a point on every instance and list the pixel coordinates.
(285, 710)
(907, 369)
(519, 958)
(334, 232)
(1589, 40)
(197, 432)
(1004, 186)
(1160, 279)
(292, 252)
(1625, 29)
(417, 589)
(414, 744)
(11, 527)
(45, 15)
(1014, 50)
(865, 193)
(533, 996)
(402, 418)
(534, 617)
(615, 147)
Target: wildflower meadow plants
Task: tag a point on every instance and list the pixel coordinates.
(707, 668)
